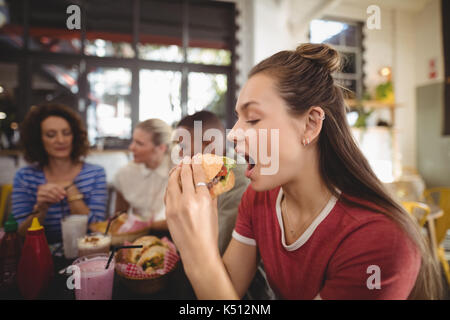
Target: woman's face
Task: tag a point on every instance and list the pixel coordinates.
(143, 148)
(57, 137)
(263, 113)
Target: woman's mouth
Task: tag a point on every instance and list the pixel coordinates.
(250, 166)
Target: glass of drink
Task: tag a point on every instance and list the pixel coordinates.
(96, 282)
(94, 243)
(73, 227)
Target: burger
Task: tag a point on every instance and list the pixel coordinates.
(219, 175)
(151, 256)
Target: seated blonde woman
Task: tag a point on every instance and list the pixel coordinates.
(141, 184)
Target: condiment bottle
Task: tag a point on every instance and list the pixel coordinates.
(10, 249)
(36, 264)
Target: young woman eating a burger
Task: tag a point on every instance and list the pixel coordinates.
(323, 224)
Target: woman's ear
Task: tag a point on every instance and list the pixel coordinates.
(313, 124)
(163, 148)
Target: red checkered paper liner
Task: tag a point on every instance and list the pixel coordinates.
(131, 270)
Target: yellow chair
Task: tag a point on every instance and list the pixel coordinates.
(5, 193)
(441, 197)
(414, 207)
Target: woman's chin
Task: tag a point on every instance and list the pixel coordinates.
(59, 155)
(262, 184)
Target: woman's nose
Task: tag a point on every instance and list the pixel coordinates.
(236, 133)
(60, 138)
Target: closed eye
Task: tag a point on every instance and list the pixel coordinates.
(252, 122)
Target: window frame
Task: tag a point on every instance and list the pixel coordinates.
(358, 50)
(27, 58)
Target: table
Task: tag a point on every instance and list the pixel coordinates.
(178, 286)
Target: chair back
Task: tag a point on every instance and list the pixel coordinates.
(5, 199)
(441, 197)
(417, 210)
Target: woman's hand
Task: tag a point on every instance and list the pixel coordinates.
(191, 215)
(50, 193)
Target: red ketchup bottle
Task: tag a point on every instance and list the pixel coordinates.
(36, 264)
(10, 249)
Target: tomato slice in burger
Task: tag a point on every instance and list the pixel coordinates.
(223, 172)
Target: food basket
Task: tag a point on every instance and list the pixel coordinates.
(137, 281)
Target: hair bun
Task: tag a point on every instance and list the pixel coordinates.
(321, 54)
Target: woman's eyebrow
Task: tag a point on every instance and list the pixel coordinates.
(245, 106)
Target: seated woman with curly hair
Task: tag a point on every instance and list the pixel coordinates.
(57, 182)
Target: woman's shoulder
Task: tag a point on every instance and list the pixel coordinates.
(29, 170)
(365, 225)
(129, 169)
(90, 170)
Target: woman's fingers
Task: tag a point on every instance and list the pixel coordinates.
(48, 195)
(173, 186)
(199, 174)
(56, 194)
(187, 182)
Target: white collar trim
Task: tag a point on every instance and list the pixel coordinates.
(308, 233)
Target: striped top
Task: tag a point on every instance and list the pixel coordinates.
(91, 182)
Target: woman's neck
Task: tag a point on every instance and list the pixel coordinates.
(155, 163)
(59, 166)
(307, 194)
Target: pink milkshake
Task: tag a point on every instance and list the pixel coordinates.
(96, 282)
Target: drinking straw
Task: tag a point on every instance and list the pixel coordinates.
(117, 249)
(109, 222)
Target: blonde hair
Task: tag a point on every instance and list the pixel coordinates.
(159, 131)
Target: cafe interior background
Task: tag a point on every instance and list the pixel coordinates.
(140, 59)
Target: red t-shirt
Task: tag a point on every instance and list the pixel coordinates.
(342, 255)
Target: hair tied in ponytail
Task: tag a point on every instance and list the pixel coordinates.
(321, 54)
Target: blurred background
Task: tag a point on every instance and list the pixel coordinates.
(131, 60)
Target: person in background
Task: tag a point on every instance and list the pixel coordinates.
(141, 184)
(228, 202)
(58, 182)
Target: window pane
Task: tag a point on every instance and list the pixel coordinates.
(160, 31)
(159, 95)
(109, 28)
(109, 111)
(12, 30)
(209, 56)
(351, 36)
(349, 62)
(323, 31)
(105, 48)
(207, 91)
(55, 83)
(9, 133)
(170, 53)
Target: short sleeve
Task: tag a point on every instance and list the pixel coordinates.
(243, 230)
(376, 261)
